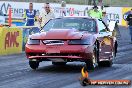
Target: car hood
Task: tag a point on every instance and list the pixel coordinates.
(59, 34)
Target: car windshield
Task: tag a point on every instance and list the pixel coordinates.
(81, 24)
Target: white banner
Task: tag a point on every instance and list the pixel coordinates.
(19, 7)
(113, 13)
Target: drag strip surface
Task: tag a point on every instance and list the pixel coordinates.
(16, 73)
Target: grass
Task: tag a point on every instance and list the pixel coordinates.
(106, 2)
(119, 2)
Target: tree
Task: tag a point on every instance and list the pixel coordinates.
(89, 2)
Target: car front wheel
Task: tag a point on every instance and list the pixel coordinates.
(91, 63)
(34, 64)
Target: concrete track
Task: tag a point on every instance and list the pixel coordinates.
(16, 73)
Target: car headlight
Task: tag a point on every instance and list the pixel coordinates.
(79, 42)
(33, 41)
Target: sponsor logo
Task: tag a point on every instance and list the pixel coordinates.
(125, 15)
(113, 17)
(16, 11)
(4, 7)
(11, 39)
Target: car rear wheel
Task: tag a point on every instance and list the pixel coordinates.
(105, 63)
(59, 63)
(34, 64)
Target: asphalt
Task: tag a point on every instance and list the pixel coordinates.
(16, 73)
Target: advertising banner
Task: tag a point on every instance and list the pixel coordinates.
(18, 10)
(125, 12)
(10, 41)
(114, 14)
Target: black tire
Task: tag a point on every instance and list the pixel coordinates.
(115, 48)
(89, 64)
(105, 63)
(34, 64)
(59, 63)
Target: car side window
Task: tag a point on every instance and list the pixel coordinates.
(101, 26)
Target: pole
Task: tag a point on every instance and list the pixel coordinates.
(10, 17)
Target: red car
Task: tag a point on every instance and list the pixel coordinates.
(70, 39)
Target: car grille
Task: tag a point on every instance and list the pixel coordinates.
(53, 42)
(63, 54)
